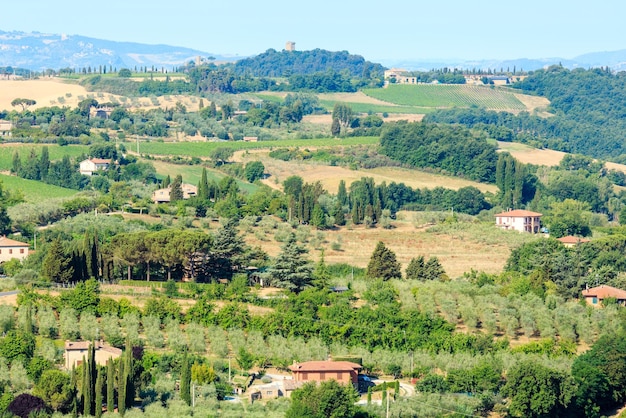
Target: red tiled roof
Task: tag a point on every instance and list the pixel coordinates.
(519, 213)
(604, 291)
(6, 242)
(84, 345)
(100, 161)
(333, 366)
(570, 239)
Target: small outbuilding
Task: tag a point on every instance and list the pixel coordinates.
(572, 241)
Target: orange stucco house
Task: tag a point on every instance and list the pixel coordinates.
(596, 295)
(344, 372)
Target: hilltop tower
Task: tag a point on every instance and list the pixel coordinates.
(290, 46)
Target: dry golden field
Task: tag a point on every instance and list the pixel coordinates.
(330, 176)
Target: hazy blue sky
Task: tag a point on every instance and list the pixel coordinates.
(396, 30)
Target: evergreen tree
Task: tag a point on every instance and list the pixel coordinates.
(16, 168)
(433, 270)
(383, 264)
(335, 127)
(99, 387)
(185, 380)
(291, 270)
(110, 386)
(176, 189)
(342, 194)
(227, 252)
(338, 214)
(203, 186)
(321, 273)
(415, 269)
(122, 380)
(166, 182)
(318, 218)
(56, 265)
(44, 163)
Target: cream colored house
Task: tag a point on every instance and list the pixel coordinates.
(10, 249)
(399, 76)
(77, 351)
(163, 195)
(5, 128)
(90, 166)
(519, 220)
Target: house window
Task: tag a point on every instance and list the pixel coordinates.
(21, 251)
(10, 250)
(339, 376)
(594, 300)
(304, 376)
(322, 375)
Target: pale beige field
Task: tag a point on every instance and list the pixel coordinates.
(546, 157)
(393, 117)
(331, 176)
(407, 241)
(43, 91)
(530, 155)
(57, 92)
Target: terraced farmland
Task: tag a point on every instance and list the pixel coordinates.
(445, 96)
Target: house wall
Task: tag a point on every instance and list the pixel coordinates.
(8, 253)
(519, 223)
(343, 377)
(75, 357)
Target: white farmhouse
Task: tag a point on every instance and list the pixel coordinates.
(88, 167)
(519, 220)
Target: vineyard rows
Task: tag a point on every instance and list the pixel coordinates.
(444, 96)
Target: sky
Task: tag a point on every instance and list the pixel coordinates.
(394, 31)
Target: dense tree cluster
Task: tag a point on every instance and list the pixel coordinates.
(451, 149)
(588, 106)
(274, 63)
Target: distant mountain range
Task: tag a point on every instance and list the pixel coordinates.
(616, 60)
(39, 51)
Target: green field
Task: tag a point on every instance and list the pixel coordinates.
(203, 149)
(447, 95)
(56, 152)
(34, 191)
(191, 174)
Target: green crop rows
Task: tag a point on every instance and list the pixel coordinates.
(444, 96)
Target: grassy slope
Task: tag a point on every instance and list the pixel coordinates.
(441, 96)
(56, 152)
(192, 173)
(34, 191)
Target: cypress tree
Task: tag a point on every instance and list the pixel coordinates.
(166, 182)
(121, 387)
(17, 164)
(99, 385)
(203, 186)
(44, 163)
(129, 372)
(185, 380)
(342, 194)
(110, 386)
(86, 387)
(176, 189)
